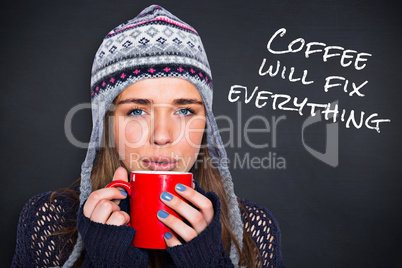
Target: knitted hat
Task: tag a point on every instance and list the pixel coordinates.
(153, 44)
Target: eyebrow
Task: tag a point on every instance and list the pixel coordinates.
(181, 101)
(187, 101)
(137, 101)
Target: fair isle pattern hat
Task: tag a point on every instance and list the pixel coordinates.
(154, 44)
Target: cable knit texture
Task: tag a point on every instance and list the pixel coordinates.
(110, 246)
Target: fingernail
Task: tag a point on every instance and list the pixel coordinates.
(123, 192)
(180, 187)
(163, 214)
(168, 235)
(166, 196)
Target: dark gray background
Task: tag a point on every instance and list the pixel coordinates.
(348, 216)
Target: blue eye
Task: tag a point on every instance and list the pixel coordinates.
(185, 111)
(136, 112)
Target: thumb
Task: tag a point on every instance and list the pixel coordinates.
(120, 174)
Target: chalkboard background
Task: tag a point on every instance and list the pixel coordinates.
(344, 215)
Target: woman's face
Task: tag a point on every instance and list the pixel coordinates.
(159, 124)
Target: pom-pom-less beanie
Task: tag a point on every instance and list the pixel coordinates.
(154, 44)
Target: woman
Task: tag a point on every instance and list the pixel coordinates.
(151, 94)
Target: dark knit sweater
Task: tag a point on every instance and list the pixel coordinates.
(110, 246)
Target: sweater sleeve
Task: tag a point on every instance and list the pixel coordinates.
(205, 250)
(109, 245)
(37, 245)
(261, 224)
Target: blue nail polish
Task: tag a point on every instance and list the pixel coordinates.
(123, 192)
(166, 196)
(180, 187)
(168, 235)
(163, 214)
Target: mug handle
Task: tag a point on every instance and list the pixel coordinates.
(119, 183)
(123, 184)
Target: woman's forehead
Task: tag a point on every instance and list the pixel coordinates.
(164, 89)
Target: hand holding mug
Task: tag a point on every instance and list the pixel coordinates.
(198, 218)
(145, 189)
(102, 205)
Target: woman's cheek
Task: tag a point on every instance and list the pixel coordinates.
(131, 136)
(192, 146)
(195, 132)
(194, 141)
(133, 133)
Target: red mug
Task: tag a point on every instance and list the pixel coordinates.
(144, 189)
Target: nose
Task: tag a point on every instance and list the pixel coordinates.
(162, 129)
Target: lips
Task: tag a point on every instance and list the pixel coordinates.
(160, 163)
